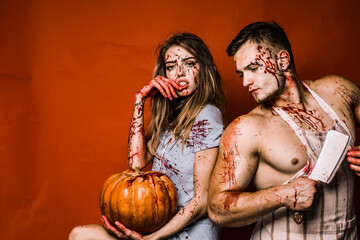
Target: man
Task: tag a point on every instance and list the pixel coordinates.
(282, 138)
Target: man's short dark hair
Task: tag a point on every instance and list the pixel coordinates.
(261, 32)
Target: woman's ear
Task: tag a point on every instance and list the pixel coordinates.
(283, 60)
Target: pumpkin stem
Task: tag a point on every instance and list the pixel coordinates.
(137, 169)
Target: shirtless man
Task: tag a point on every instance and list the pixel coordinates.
(283, 136)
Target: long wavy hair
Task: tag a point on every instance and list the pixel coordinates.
(178, 116)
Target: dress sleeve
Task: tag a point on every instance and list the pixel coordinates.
(207, 129)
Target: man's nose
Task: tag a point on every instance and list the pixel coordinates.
(247, 81)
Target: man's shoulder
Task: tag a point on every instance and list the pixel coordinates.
(328, 83)
(335, 89)
(248, 122)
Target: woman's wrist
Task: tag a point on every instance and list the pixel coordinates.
(139, 99)
(149, 237)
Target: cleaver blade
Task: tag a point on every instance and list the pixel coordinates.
(332, 154)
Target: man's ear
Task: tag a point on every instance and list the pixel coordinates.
(283, 60)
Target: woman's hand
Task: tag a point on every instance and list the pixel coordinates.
(160, 84)
(122, 232)
(130, 233)
(354, 159)
(113, 230)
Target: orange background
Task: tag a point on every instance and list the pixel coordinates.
(69, 71)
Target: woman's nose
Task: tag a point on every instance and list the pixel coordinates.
(180, 70)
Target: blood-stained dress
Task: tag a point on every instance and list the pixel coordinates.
(177, 162)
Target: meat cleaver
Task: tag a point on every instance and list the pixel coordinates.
(332, 154)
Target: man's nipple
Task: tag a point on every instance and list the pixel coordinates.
(294, 161)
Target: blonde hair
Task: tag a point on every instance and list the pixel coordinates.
(178, 116)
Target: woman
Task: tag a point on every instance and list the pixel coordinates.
(182, 138)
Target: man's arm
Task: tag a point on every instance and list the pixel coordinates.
(347, 94)
(238, 160)
(353, 98)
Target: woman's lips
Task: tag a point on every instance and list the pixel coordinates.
(183, 84)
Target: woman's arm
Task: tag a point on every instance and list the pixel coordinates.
(137, 150)
(138, 155)
(195, 208)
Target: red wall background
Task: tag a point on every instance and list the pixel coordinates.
(69, 71)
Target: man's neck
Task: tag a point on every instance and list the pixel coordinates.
(293, 95)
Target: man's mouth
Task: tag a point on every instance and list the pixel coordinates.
(253, 90)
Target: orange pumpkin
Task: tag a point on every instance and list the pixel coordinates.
(142, 201)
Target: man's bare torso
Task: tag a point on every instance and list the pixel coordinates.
(282, 154)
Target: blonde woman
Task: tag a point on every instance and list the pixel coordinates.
(182, 139)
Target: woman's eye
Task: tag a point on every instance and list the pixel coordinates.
(169, 67)
(191, 63)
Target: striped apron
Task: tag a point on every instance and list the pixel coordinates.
(332, 215)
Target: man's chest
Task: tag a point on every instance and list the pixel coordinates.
(284, 152)
(281, 155)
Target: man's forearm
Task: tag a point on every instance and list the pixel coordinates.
(235, 208)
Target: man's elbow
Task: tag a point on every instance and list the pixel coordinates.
(216, 219)
(216, 212)
(222, 213)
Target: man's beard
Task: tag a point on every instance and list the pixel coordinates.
(272, 95)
